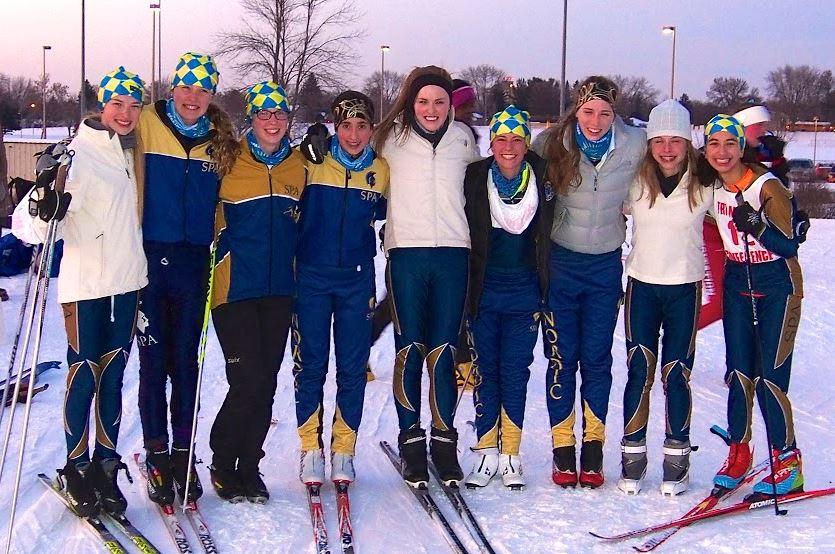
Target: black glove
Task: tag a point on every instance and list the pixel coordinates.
(313, 148)
(748, 220)
(50, 204)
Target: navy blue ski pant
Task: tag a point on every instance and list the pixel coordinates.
(648, 309)
(778, 309)
(503, 336)
(584, 299)
(428, 290)
(170, 321)
(346, 297)
(99, 338)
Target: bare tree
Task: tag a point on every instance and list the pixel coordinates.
(288, 40)
(728, 92)
(391, 86)
(636, 96)
(799, 91)
(20, 93)
(483, 78)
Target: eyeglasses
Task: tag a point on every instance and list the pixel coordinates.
(265, 115)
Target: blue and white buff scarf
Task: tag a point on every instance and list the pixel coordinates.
(199, 129)
(593, 149)
(363, 161)
(510, 190)
(270, 159)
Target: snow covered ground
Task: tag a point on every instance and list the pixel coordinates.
(540, 519)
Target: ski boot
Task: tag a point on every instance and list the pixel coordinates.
(253, 486)
(564, 471)
(443, 447)
(227, 484)
(179, 472)
(160, 484)
(104, 477)
(312, 467)
(413, 465)
(76, 480)
(633, 465)
(788, 476)
(510, 468)
(485, 466)
(591, 464)
(342, 467)
(676, 467)
(736, 466)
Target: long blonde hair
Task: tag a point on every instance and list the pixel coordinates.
(404, 106)
(648, 176)
(225, 145)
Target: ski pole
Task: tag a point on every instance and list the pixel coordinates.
(50, 248)
(758, 363)
(20, 318)
(200, 359)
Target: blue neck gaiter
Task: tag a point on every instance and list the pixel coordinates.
(593, 149)
(199, 129)
(269, 159)
(363, 161)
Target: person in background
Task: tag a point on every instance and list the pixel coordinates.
(665, 270)
(188, 144)
(464, 101)
(593, 157)
(102, 271)
(761, 145)
(427, 242)
(509, 207)
(254, 284)
(756, 216)
(335, 271)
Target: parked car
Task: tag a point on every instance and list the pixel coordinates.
(831, 178)
(822, 170)
(801, 170)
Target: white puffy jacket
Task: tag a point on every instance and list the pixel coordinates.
(426, 190)
(103, 254)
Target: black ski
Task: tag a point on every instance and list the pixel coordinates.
(428, 504)
(453, 494)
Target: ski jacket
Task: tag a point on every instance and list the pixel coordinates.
(477, 209)
(180, 184)
(338, 211)
(589, 218)
(103, 253)
(426, 192)
(256, 228)
(667, 238)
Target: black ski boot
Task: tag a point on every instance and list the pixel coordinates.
(179, 469)
(104, 476)
(591, 464)
(253, 486)
(413, 466)
(443, 447)
(564, 468)
(77, 483)
(227, 484)
(160, 483)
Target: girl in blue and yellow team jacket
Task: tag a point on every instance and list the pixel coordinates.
(335, 270)
(187, 144)
(252, 296)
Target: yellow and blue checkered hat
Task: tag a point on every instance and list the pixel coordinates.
(266, 95)
(511, 120)
(725, 122)
(120, 82)
(196, 69)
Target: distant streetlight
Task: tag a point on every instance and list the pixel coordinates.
(815, 142)
(383, 49)
(563, 88)
(43, 87)
(671, 30)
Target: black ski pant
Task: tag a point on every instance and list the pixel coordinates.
(252, 335)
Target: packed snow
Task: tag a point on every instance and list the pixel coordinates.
(386, 517)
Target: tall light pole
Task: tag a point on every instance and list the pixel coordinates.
(159, 41)
(154, 11)
(671, 30)
(82, 98)
(563, 88)
(43, 87)
(383, 49)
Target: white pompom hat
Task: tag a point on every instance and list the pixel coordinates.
(669, 119)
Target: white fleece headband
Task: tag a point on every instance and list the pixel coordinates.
(752, 115)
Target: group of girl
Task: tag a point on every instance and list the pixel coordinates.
(527, 239)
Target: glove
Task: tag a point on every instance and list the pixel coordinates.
(50, 204)
(748, 220)
(313, 148)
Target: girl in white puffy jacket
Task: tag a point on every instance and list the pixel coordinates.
(427, 242)
(102, 270)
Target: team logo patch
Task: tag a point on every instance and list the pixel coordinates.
(371, 178)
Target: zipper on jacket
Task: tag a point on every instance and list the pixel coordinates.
(344, 208)
(270, 254)
(185, 196)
